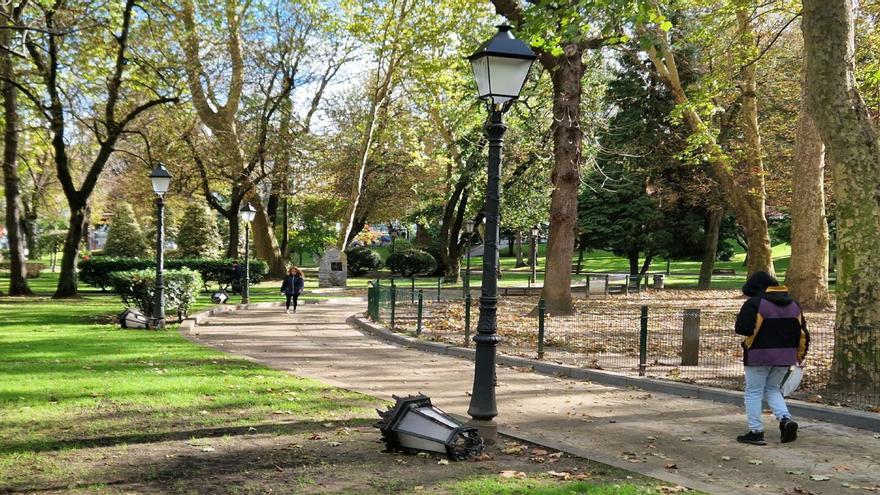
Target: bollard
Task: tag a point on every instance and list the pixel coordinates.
(439, 285)
(393, 304)
(371, 300)
(690, 338)
(626, 286)
(643, 342)
(412, 291)
(606, 285)
(542, 309)
(587, 283)
(419, 317)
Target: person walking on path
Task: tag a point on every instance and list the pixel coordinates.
(776, 338)
(235, 277)
(292, 287)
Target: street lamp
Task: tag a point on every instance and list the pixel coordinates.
(247, 213)
(469, 231)
(501, 66)
(161, 180)
(534, 254)
(393, 234)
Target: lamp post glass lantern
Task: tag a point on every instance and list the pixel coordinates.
(501, 66)
(248, 213)
(160, 179)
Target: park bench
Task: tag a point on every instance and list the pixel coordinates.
(723, 271)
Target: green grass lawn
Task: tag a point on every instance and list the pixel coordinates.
(86, 407)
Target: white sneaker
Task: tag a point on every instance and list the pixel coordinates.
(287, 311)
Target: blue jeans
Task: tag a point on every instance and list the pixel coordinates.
(762, 382)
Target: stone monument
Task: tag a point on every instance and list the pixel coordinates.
(333, 271)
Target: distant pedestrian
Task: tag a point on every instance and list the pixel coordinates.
(776, 339)
(292, 287)
(236, 277)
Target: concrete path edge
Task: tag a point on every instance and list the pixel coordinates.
(837, 415)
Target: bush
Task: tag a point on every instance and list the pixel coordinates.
(96, 270)
(411, 262)
(125, 237)
(138, 288)
(197, 235)
(361, 260)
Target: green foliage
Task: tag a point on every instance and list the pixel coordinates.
(138, 288)
(125, 237)
(362, 260)
(96, 270)
(197, 235)
(411, 262)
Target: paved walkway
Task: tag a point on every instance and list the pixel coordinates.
(678, 439)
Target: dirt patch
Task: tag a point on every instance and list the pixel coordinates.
(307, 458)
(604, 334)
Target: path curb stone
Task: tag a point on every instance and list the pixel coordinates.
(852, 418)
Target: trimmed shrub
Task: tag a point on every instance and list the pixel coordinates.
(96, 270)
(125, 237)
(138, 288)
(362, 260)
(411, 262)
(197, 235)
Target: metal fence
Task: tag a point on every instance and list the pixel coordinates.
(656, 341)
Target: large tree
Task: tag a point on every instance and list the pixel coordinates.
(853, 149)
(740, 174)
(58, 44)
(564, 59)
(18, 285)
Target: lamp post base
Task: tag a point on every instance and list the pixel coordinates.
(488, 430)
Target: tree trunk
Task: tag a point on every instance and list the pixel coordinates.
(265, 244)
(18, 285)
(854, 153)
(649, 258)
(67, 282)
(233, 244)
(285, 228)
(518, 249)
(633, 258)
(807, 275)
(567, 136)
(710, 252)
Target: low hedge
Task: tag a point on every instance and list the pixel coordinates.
(362, 260)
(138, 288)
(96, 270)
(411, 262)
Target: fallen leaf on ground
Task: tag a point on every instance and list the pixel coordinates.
(483, 457)
(513, 474)
(561, 475)
(555, 455)
(819, 477)
(539, 452)
(443, 462)
(315, 436)
(208, 449)
(672, 466)
(672, 489)
(756, 462)
(798, 473)
(334, 444)
(725, 458)
(327, 425)
(687, 439)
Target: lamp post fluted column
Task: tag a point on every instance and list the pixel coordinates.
(483, 406)
(245, 287)
(159, 297)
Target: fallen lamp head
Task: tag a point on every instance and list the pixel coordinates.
(132, 318)
(413, 424)
(219, 297)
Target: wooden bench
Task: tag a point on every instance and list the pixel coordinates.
(723, 271)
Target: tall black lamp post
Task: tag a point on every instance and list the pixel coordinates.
(161, 180)
(534, 254)
(247, 213)
(501, 66)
